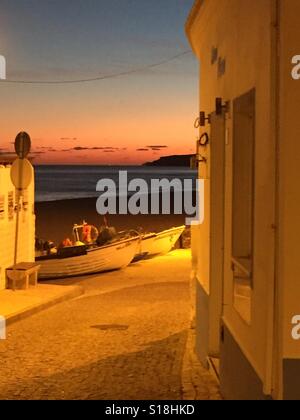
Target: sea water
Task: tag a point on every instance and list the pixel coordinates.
(55, 183)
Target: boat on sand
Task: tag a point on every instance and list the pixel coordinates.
(117, 253)
(82, 260)
(159, 243)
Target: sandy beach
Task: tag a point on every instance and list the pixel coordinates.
(54, 220)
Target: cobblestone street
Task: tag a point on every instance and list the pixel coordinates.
(124, 339)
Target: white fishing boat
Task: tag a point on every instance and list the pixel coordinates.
(83, 260)
(159, 243)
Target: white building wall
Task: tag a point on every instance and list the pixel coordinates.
(26, 251)
(288, 299)
(241, 30)
(258, 39)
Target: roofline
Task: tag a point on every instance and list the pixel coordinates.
(191, 19)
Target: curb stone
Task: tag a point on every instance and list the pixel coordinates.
(28, 312)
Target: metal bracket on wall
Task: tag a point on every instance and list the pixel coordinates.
(202, 119)
(222, 107)
(201, 159)
(204, 140)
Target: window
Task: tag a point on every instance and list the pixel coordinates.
(243, 201)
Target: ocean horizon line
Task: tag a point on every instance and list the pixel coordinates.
(71, 182)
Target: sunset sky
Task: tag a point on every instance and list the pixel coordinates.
(125, 120)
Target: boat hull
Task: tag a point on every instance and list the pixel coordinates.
(107, 258)
(161, 243)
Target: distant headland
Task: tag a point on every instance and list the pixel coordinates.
(176, 160)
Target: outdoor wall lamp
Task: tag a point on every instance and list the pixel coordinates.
(221, 107)
(201, 120)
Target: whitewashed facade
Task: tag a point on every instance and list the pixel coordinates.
(246, 253)
(26, 251)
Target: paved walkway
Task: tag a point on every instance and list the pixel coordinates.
(23, 303)
(124, 339)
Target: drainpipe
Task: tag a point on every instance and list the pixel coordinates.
(272, 355)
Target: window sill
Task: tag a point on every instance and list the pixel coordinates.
(242, 267)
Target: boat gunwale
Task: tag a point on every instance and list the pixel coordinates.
(164, 232)
(87, 251)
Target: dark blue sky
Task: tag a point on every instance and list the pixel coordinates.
(39, 37)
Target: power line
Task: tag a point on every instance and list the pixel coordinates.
(99, 78)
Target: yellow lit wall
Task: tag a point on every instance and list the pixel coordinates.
(241, 32)
(7, 226)
(289, 176)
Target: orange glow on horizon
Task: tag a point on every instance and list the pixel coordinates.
(69, 136)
